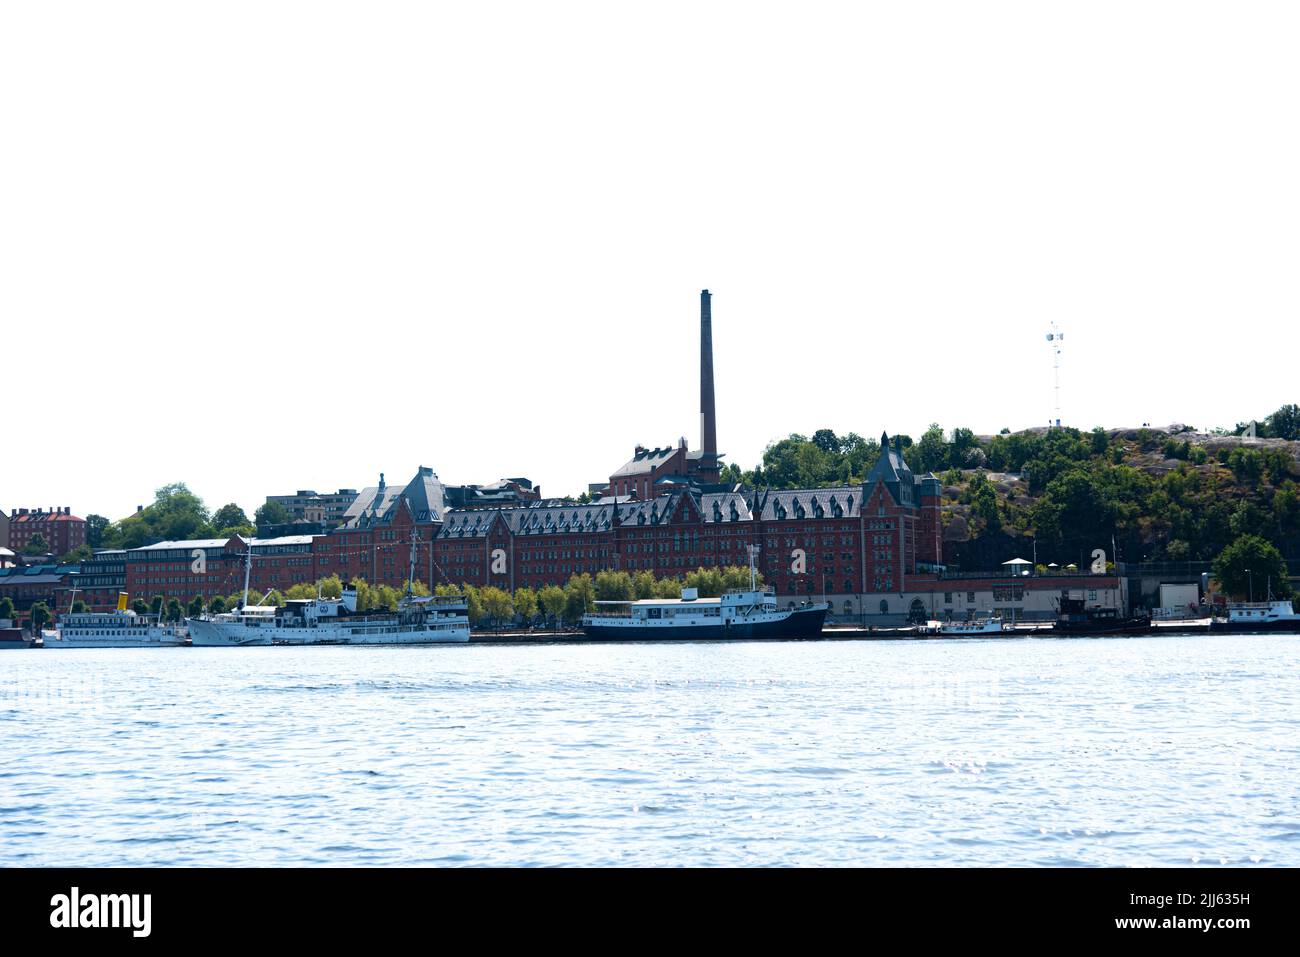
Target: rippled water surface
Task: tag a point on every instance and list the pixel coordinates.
(1023, 751)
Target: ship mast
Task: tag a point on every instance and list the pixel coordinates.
(248, 569)
(410, 578)
(753, 577)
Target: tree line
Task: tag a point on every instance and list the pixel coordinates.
(551, 605)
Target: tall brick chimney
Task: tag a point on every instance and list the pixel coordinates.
(708, 416)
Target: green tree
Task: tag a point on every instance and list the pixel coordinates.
(36, 545)
(230, 516)
(175, 514)
(731, 475)
(175, 612)
(474, 601)
(736, 578)
(964, 449)
(1246, 464)
(984, 503)
(78, 607)
(668, 588)
(195, 607)
(526, 604)
(217, 606)
(825, 440)
(707, 582)
(140, 606)
(1249, 567)
(497, 605)
(579, 595)
(6, 608)
(330, 587)
(1285, 423)
(645, 585)
(553, 600)
(96, 525)
(614, 586)
(931, 452)
(272, 513)
(157, 604)
(79, 554)
(40, 616)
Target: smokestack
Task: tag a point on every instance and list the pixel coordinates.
(708, 417)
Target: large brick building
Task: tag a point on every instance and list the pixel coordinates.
(61, 530)
(873, 551)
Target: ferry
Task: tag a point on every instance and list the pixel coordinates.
(735, 615)
(335, 621)
(122, 628)
(1252, 616)
(974, 629)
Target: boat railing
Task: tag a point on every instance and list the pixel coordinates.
(760, 590)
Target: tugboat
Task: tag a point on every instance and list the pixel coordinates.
(736, 615)
(1076, 618)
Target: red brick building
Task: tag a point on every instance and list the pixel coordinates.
(61, 530)
(873, 551)
(215, 566)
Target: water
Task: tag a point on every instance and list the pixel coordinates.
(1029, 751)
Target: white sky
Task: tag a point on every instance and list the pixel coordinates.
(267, 246)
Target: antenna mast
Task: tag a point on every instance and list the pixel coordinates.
(1054, 339)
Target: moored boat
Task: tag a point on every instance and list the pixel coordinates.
(734, 615)
(1075, 617)
(114, 629)
(336, 621)
(975, 628)
(1247, 616)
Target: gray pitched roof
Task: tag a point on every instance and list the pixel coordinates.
(425, 497)
(725, 507)
(844, 501)
(644, 461)
(892, 469)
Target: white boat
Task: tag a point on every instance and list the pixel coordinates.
(1248, 616)
(113, 629)
(975, 628)
(735, 615)
(335, 621)
(250, 625)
